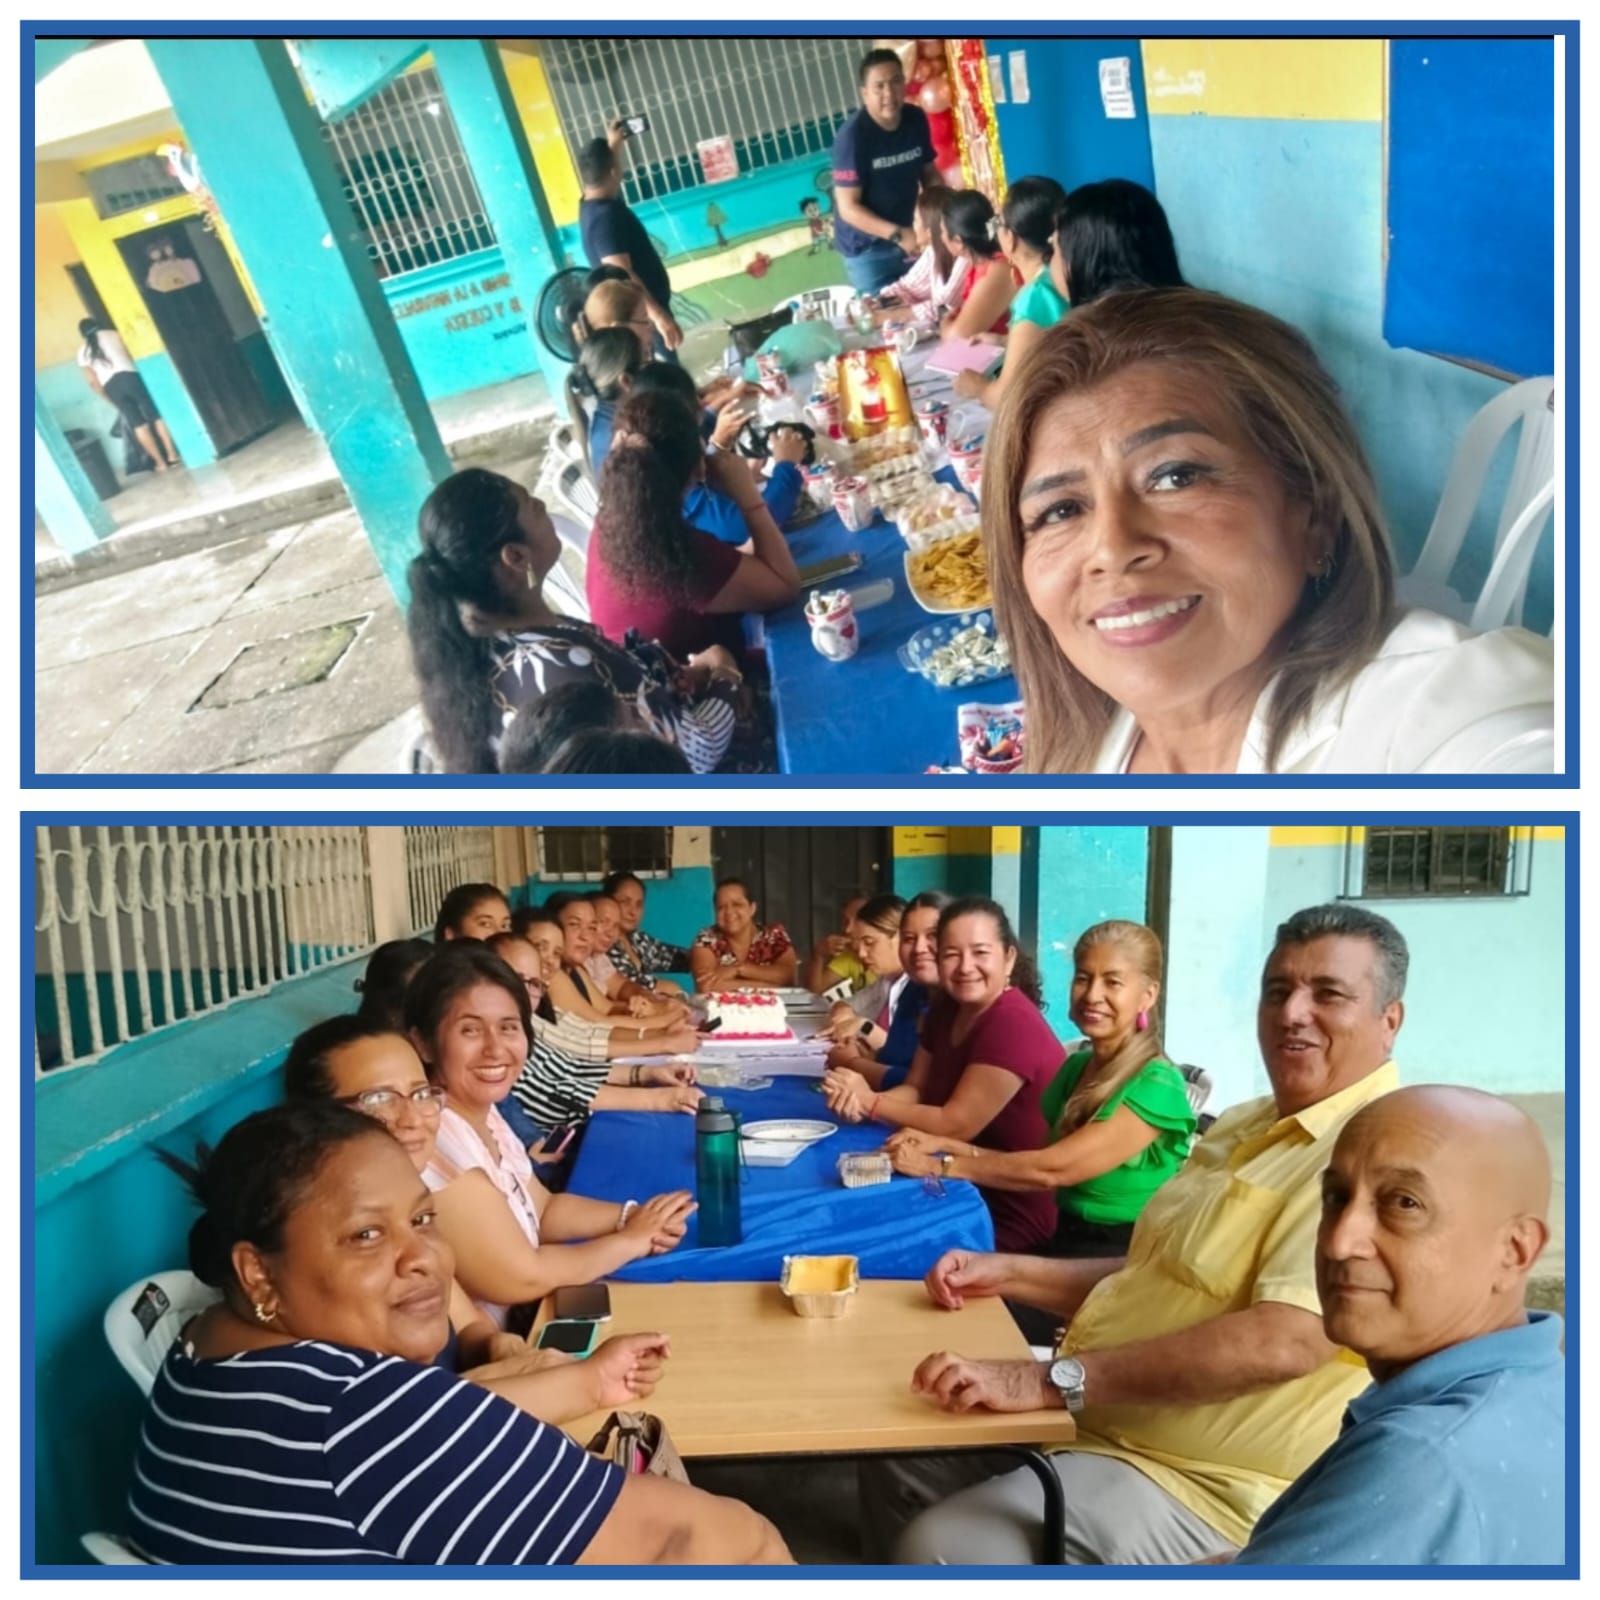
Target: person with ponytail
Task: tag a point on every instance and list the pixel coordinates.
(984, 306)
(649, 571)
(607, 360)
(485, 642)
(303, 1419)
(985, 1059)
(110, 371)
(1024, 230)
(1118, 1110)
(934, 285)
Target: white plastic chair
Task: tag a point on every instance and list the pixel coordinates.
(1524, 514)
(839, 297)
(147, 1316)
(110, 1551)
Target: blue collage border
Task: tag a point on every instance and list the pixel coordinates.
(1569, 29)
(1572, 968)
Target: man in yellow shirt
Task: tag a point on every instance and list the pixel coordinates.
(1198, 1370)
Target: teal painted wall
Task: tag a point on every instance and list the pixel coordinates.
(73, 404)
(341, 73)
(1486, 1000)
(177, 409)
(914, 874)
(461, 325)
(1215, 946)
(105, 1212)
(676, 908)
(1288, 215)
(1086, 875)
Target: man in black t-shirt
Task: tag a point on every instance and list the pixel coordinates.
(882, 157)
(614, 236)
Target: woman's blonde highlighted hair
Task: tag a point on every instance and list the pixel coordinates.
(1288, 407)
(1141, 1047)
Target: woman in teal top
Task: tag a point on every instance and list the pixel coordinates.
(1024, 229)
(1118, 1108)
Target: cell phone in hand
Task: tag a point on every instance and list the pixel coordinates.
(583, 1302)
(710, 1025)
(636, 125)
(570, 1338)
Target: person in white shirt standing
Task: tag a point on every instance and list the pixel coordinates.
(111, 372)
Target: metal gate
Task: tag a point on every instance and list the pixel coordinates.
(801, 876)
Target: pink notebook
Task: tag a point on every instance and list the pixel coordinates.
(966, 355)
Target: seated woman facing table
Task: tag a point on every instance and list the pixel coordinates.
(736, 951)
(302, 1418)
(1190, 563)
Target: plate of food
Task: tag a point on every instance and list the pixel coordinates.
(959, 653)
(788, 1130)
(950, 577)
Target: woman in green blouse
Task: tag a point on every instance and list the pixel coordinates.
(1118, 1107)
(1024, 228)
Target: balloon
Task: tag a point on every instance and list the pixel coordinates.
(935, 96)
(921, 71)
(930, 49)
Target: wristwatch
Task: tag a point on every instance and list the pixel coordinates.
(1067, 1376)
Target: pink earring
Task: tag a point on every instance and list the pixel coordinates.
(1144, 1021)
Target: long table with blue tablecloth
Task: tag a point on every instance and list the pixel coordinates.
(898, 1229)
(867, 714)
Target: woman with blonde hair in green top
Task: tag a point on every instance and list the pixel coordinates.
(1118, 1107)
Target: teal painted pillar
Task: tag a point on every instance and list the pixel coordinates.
(62, 494)
(243, 109)
(342, 73)
(474, 82)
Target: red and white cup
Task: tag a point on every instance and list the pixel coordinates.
(966, 456)
(832, 617)
(819, 482)
(933, 420)
(824, 411)
(852, 500)
(769, 372)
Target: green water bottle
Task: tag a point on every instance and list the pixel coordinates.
(716, 1171)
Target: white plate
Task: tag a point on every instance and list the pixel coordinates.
(770, 1153)
(934, 606)
(788, 1131)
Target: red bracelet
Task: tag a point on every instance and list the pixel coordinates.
(872, 1110)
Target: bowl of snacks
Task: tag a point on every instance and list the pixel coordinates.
(950, 576)
(958, 653)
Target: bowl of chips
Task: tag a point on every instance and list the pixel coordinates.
(951, 576)
(958, 653)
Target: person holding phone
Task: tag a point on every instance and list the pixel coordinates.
(614, 236)
(469, 1020)
(363, 1064)
(300, 1419)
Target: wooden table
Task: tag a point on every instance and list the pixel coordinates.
(747, 1377)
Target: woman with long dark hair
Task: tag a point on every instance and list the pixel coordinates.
(1024, 230)
(649, 571)
(985, 303)
(936, 280)
(110, 371)
(987, 1055)
(485, 642)
(1112, 235)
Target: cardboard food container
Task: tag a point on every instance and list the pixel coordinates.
(820, 1286)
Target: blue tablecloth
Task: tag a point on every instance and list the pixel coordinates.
(867, 714)
(898, 1229)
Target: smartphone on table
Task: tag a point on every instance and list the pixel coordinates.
(831, 567)
(570, 1338)
(582, 1302)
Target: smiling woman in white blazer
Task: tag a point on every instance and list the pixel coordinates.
(1190, 563)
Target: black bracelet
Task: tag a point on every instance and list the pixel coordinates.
(633, 1075)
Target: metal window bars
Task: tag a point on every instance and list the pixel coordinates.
(407, 177)
(777, 99)
(437, 859)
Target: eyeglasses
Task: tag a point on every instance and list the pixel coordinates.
(428, 1098)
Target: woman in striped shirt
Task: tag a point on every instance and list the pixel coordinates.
(299, 1420)
(469, 1020)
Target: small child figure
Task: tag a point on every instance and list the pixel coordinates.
(820, 223)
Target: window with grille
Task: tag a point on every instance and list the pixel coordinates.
(123, 186)
(407, 178)
(581, 855)
(777, 99)
(1435, 863)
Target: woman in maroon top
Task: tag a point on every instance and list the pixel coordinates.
(650, 572)
(986, 1056)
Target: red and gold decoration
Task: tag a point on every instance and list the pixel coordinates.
(977, 131)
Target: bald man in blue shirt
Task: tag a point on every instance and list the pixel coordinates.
(1433, 1215)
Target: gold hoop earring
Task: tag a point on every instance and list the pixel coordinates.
(263, 1315)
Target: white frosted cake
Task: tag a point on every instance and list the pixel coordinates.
(754, 1014)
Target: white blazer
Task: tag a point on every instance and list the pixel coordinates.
(1437, 698)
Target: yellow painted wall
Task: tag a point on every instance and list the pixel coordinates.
(57, 310)
(1300, 837)
(551, 156)
(910, 842)
(97, 250)
(1328, 80)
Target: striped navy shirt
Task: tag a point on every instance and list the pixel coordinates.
(554, 1088)
(320, 1453)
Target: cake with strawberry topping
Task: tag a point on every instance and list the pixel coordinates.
(752, 1015)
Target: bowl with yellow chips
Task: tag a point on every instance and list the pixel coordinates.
(950, 576)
